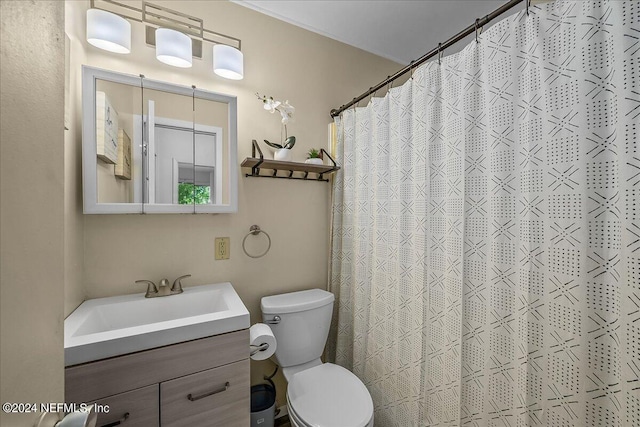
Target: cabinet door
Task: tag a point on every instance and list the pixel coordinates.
(134, 408)
(205, 399)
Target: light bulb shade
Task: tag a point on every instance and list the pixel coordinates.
(173, 48)
(228, 62)
(108, 31)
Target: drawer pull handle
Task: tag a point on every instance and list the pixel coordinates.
(124, 418)
(193, 398)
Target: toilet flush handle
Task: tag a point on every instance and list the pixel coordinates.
(274, 321)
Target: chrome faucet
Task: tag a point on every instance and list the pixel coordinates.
(176, 288)
(164, 290)
(152, 290)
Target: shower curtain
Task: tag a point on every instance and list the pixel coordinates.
(486, 229)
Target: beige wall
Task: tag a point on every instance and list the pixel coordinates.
(32, 204)
(74, 290)
(315, 74)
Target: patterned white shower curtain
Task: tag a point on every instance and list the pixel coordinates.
(486, 229)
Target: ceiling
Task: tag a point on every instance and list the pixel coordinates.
(400, 30)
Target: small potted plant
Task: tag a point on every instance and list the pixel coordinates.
(314, 157)
(286, 110)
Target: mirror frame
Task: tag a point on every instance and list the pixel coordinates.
(90, 75)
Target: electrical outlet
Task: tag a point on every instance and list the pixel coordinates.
(223, 251)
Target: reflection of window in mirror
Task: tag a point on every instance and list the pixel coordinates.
(199, 190)
(193, 194)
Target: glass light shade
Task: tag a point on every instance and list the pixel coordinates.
(108, 31)
(173, 48)
(228, 62)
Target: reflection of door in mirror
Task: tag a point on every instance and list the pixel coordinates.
(171, 136)
(175, 172)
(213, 117)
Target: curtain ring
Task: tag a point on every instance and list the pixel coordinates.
(527, 2)
(411, 68)
(255, 230)
(390, 84)
(370, 94)
(439, 53)
(477, 21)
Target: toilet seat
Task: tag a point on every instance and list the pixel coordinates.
(329, 396)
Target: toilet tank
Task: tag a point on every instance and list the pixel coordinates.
(305, 317)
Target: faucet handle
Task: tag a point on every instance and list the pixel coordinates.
(151, 287)
(177, 284)
(163, 283)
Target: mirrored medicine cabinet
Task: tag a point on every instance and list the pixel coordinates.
(155, 147)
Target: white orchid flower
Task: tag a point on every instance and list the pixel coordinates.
(286, 110)
(271, 105)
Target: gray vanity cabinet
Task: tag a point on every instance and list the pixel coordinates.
(132, 408)
(204, 382)
(206, 404)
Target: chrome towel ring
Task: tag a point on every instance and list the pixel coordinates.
(255, 230)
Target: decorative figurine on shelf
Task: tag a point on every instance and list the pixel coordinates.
(286, 110)
(314, 157)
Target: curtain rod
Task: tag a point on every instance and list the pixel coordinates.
(480, 22)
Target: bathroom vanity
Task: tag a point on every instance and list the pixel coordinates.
(173, 361)
(204, 382)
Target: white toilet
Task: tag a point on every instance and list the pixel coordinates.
(319, 394)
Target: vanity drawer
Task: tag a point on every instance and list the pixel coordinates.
(211, 404)
(141, 405)
(94, 380)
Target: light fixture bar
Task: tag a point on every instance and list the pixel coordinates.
(117, 8)
(223, 36)
(164, 17)
(159, 16)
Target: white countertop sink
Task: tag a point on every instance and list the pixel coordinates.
(107, 327)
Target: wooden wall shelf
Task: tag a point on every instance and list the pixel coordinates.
(258, 163)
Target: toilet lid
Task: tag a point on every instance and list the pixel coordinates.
(330, 396)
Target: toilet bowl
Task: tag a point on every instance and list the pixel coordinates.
(328, 395)
(319, 394)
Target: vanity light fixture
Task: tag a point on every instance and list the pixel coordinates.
(108, 31)
(228, 62)
(177, 37)
(173, 48)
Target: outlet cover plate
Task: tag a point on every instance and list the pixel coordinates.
(223, 250)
